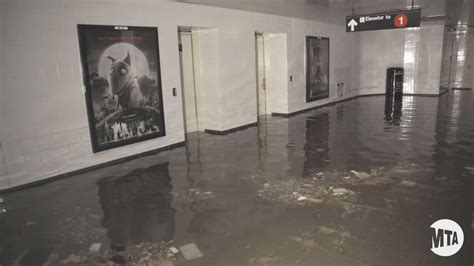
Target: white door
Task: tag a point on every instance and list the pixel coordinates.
(261, 77)
(276, 73)
(188, 82)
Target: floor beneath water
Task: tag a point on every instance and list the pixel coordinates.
(281, 193)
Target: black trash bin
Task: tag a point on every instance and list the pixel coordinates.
(394, 89)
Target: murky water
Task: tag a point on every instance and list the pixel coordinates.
(203, 193)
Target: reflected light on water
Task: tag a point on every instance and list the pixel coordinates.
(406, 124)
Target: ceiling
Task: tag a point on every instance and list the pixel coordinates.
(324, 10)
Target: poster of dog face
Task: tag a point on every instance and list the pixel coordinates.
(121, 69)
(317, 68)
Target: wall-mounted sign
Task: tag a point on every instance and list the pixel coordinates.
(121, 68)
(317, 68)
(384, 21)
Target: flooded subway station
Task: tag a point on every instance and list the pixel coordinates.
(312, 189)
(229, 133)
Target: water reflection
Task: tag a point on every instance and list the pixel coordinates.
(317, 143)
(137, 206)
(393, 112)
(455, 145)
(233, 224)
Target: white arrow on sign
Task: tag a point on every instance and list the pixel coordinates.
(352, 24)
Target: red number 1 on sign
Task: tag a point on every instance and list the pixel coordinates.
(400, 21)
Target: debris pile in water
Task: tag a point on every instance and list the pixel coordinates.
(334, 187)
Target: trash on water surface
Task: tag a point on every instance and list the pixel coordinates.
(190, 251)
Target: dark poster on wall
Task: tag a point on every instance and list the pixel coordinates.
(317, 68)
(121, 69)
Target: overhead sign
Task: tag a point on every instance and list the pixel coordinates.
(384, 21)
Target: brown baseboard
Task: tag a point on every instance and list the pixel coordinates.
(348, 99)
(461, 89)
(443, 91)
(324, 105)
(224, 132)
(421, 95)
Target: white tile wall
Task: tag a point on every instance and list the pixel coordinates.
(429, 57)
(46, 130)
(463, 56)
(43, 116)
(419, 51)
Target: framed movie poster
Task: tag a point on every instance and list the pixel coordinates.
(317, 68)
(121, 68)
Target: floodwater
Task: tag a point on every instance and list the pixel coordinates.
(236, 196)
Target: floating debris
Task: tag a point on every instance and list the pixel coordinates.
(326, 230)
(174, 250)
(342, 188)
(470, 169)
(407, 183)
(30, 223)
(73, 259)
(301, 198)
(361, 175)
(196, 194)
(150, 253)
(262, 261)
(305, 242)
(190, 251)
(308, 199)
(298, 192)
(339, 191)
(312, 200)
(373, 172)
(95, 247)
(342, 191)
(1, 200)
